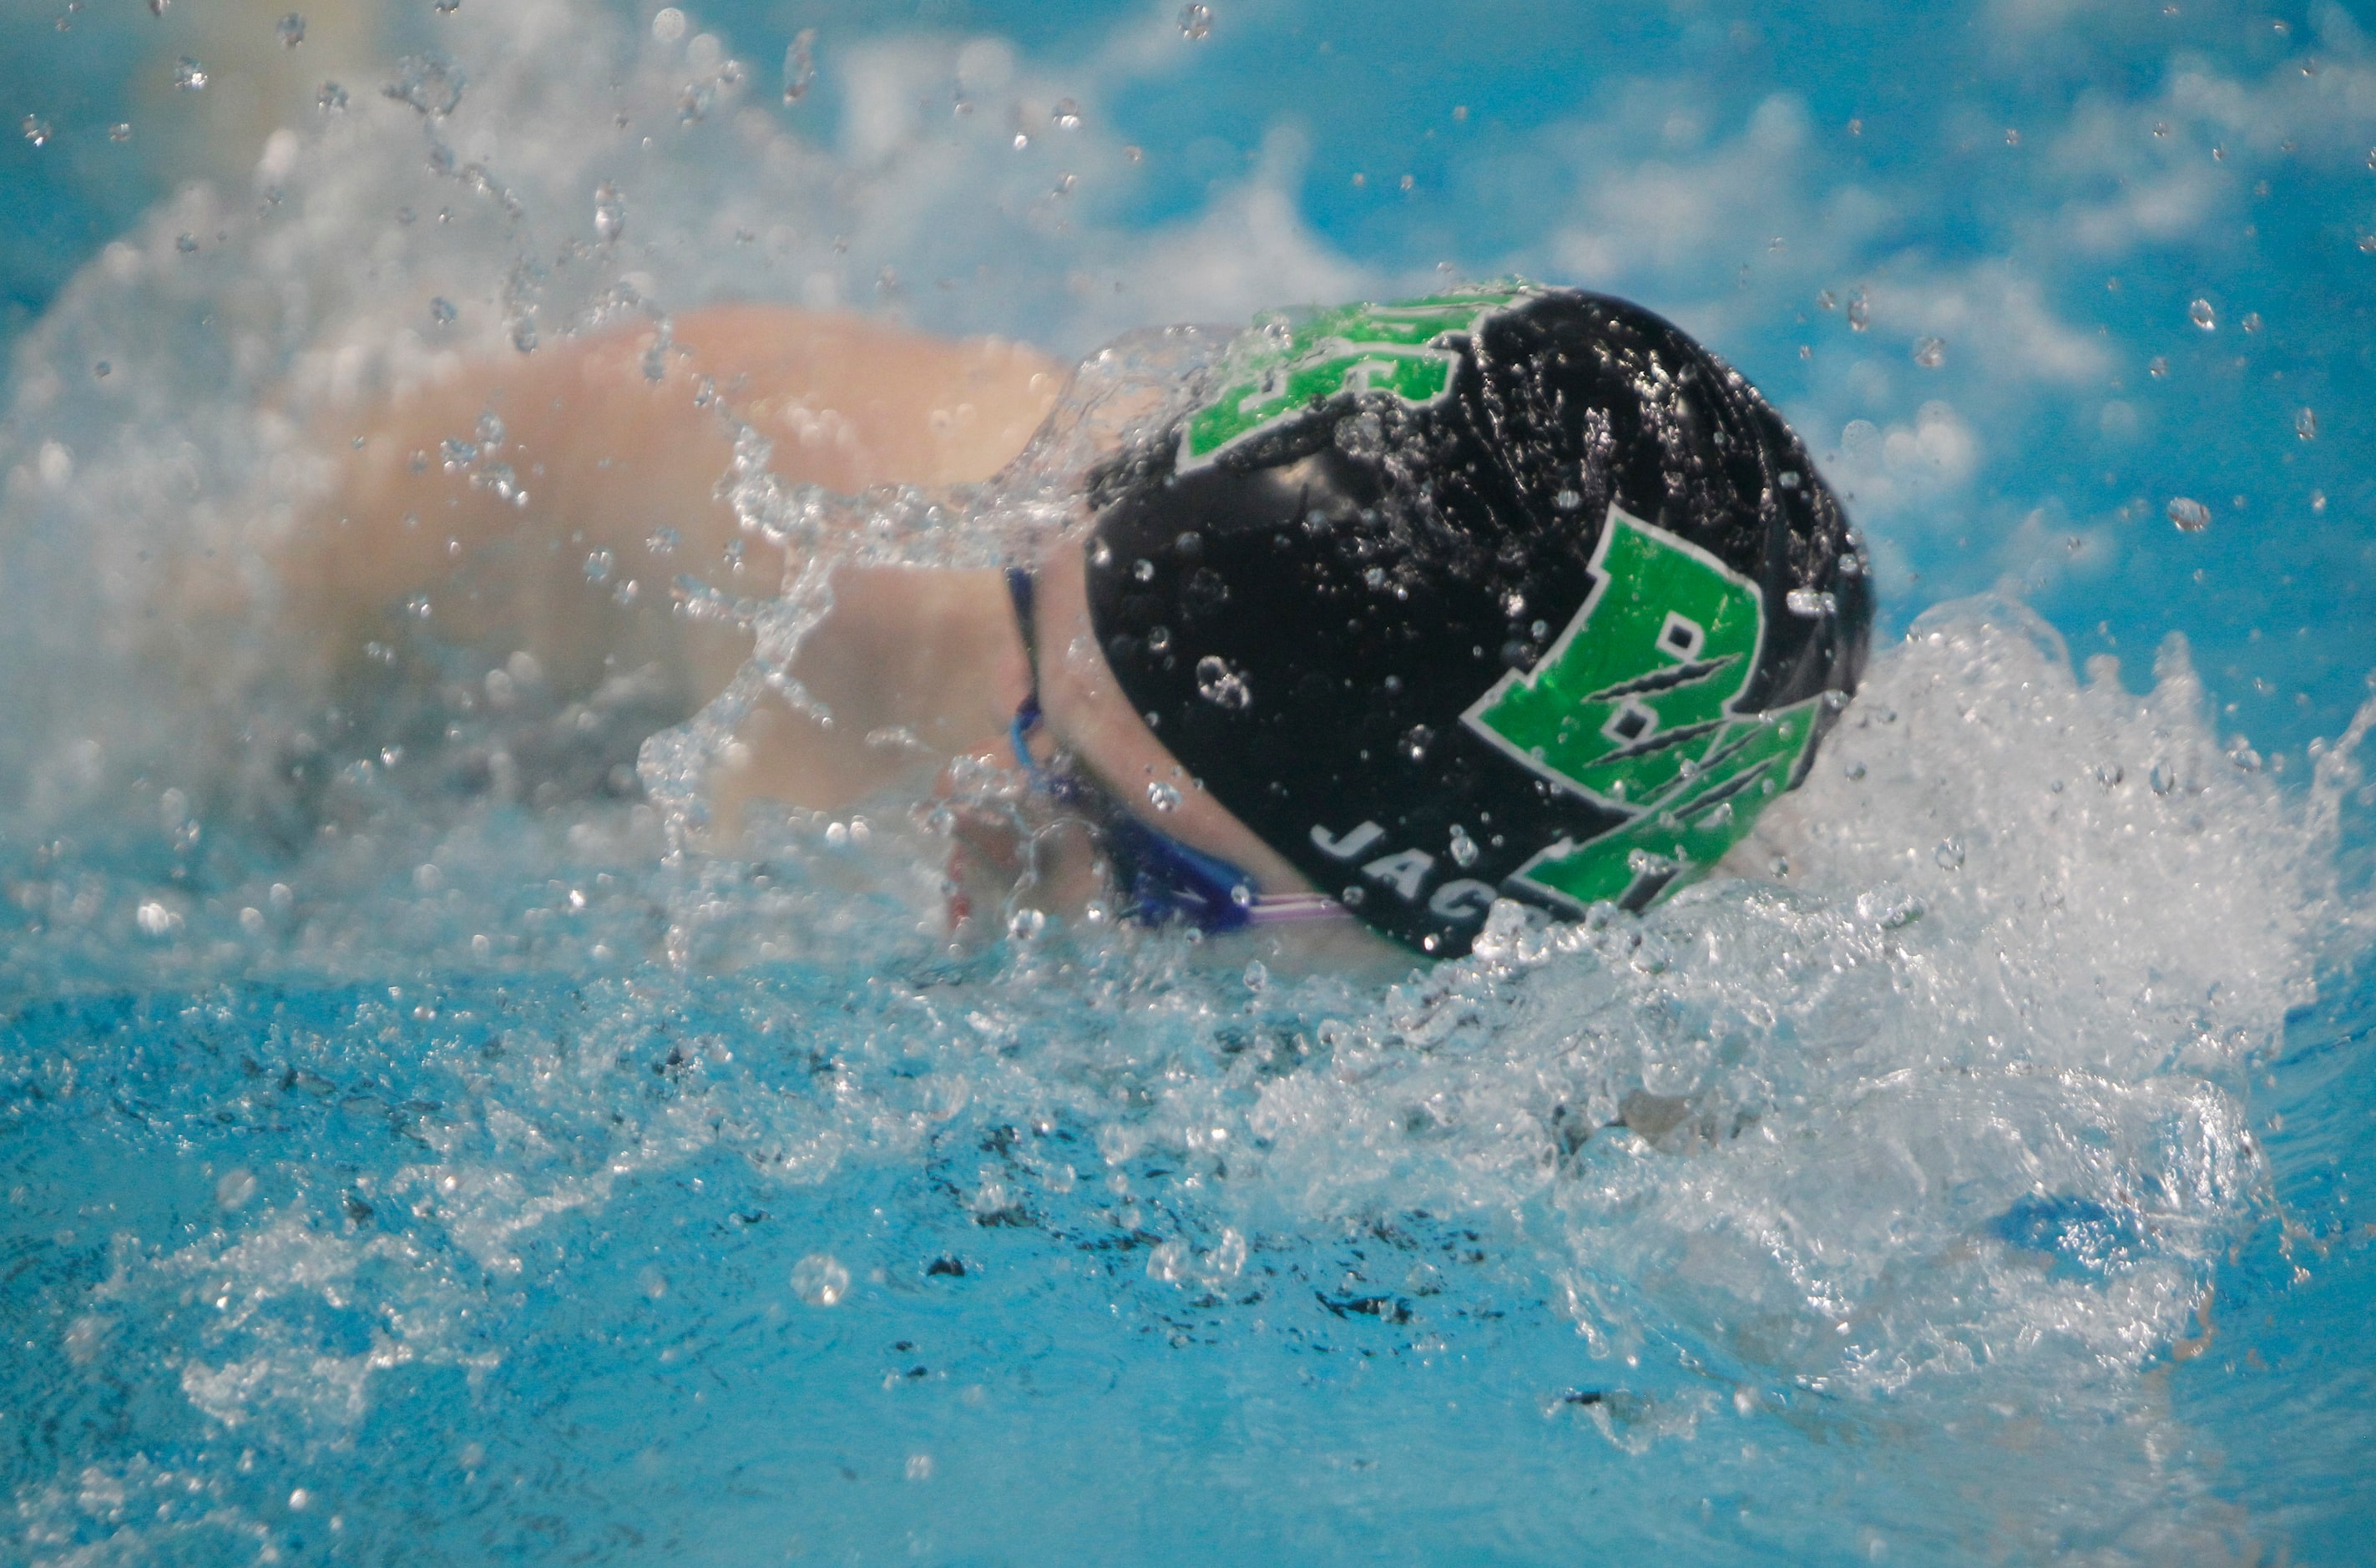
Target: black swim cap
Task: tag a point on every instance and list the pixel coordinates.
(1508, 591)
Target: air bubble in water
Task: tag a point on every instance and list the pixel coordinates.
(1158, 639)
(120, 132)
(2202, 314)
(37, 130)
(1810, 602)
(667, 24)
(2164, 778)
(2191, 516)
(1463, 847)
(2306, 424)
(599, 565)
(609, 213)
(2252, 322)
(1930, 352)
(1860, 312)
(188, 75)
(1143, 569)
(331, 99)
(800, 65)
(1162, 796)
(441, 310)
(290, 31)
(1196, 21)
(1416, 742)
(1067, 115)
(1949, 854)
(1220, 685)
(1168, 1262)
(234, 1188)
(820, 1280)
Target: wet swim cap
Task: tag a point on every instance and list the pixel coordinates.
(1509, 591)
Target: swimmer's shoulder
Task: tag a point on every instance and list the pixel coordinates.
(928, 410)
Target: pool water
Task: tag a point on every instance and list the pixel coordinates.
(403, 1170)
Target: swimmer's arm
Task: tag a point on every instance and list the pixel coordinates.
(623, 472)
(605, 479)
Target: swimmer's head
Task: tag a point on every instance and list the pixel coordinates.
(1509, 591)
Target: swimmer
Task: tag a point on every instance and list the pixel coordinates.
(1395, 610)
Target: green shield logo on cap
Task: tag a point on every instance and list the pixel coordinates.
(1289, 362)
(1632, 707)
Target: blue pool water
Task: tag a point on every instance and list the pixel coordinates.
(411, 1174)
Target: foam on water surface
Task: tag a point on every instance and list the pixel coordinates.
(484, 1180)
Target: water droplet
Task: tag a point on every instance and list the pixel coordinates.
(188, 75)
(1067, 115)
(2252, 322)
(2164, 778)
(2191, 516)
(667, 24)
(599, 565)
(800, 65)
(1196, 21)
(429, 83)
(820, 1280)
(1860, 312)
(120, 132)
(2157, 366)
(234, 1188)
(1463, 847)
(37, 130)
(1143, 569)
(187, 243)
(1930, 352)
(2202, 314)
(1855, 770)
(1024, 925)
(1158, 639)
(1825, 301)
(2109, 774)
(609, 213)
(1949, 854)
(1162, 797)
(1220, 685)
(1257, 975)
(290, 31)
(2306, 424)
(1168, 1262)
(2318, 501)
(1416, 742)
(331, 99)
(441, 310)
(1810, 602)
(663, 541)
(103, 370)
(1567, 501)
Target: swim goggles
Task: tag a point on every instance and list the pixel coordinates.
(1161, 881)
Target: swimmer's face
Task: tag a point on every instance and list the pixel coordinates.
(1087, 714)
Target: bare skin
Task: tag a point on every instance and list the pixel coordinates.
(620, 476)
